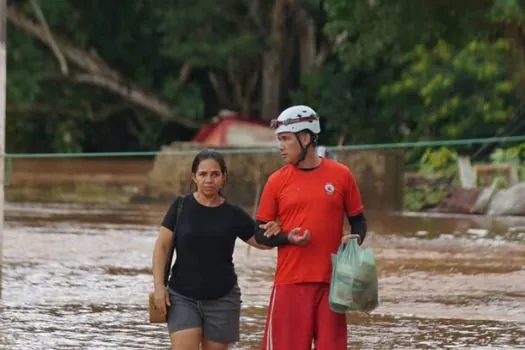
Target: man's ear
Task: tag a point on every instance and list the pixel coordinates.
(306, 137)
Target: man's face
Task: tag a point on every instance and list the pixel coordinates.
(289, 146)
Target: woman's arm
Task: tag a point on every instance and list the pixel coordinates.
(160, 255)
(254, 244)
(270, 228)
(250, 228)
(275, 239)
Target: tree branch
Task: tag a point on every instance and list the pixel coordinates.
(254, 13)
(74, 54)
(97, 72)
(250, 89)
(220, 89)
(324, 51)
(54, 47)
(237, 90)
(184, 75)
(127, 91)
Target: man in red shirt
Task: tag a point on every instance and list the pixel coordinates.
(314, 194)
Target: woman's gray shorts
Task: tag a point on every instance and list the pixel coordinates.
(218, 318)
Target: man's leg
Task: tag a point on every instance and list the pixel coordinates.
(330, 327)
(290, 318)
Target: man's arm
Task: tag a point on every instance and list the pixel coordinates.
(354, 208)
(358, 226)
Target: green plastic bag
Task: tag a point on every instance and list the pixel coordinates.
(354, 285)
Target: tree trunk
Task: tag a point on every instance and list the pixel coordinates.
(272, 59)
(3, 57)
(248, 94)
(221, 89)
(515, 32)
(3, 34)
(312, 53)
(307, 42)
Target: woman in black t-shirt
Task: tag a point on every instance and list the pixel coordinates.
(203, 299)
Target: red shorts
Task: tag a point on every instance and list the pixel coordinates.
(298, 315)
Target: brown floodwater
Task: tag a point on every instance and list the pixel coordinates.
(77, 277)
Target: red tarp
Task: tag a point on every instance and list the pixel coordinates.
(231, 130)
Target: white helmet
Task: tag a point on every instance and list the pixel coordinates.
(295, 119)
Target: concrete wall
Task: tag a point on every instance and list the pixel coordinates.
(379, 175)
(49, 171)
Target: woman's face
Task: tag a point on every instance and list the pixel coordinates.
(209, 178)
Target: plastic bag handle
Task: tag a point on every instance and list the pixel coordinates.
(351, 249)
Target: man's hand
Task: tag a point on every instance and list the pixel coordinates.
(295, 237)
(272, 228)
(347, 238)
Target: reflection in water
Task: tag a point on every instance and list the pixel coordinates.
(77, 277)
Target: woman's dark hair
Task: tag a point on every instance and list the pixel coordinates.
(208, 154)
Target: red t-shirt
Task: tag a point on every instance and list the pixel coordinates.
(317, 200)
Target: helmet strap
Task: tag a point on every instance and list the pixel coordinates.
(304, 149)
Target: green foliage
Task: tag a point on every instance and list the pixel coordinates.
(446, 93)
(418, 197)
(514, 155)
(365, 29)
(208, 33)
(33, 122)
(440, 162)
(399, 70)
(49, 113)
(507, 11)
(439, 167)
(347, 104)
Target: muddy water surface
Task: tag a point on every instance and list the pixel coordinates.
(76, 277)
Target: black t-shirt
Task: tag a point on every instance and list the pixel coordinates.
(204, 245)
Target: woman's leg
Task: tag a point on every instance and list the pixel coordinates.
(211, 345)
(184, 323)
(187, 339)
(221, 320)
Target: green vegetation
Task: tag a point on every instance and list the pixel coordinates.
(133, 75)
(439, 173)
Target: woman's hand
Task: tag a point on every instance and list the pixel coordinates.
(272, 228)
(161, 299)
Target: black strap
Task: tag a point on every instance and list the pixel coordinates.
(304, 148)
(167, 267)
